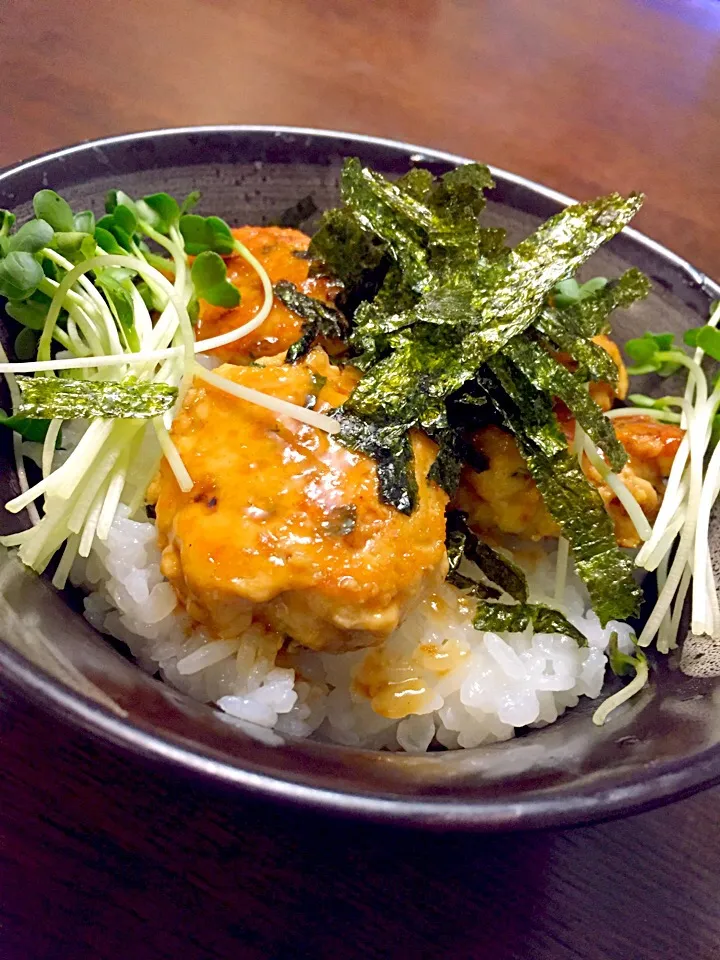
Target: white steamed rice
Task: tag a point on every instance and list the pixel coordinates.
(504, 682)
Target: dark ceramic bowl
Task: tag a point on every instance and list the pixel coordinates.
(664, 745)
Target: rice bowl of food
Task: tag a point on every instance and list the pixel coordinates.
(356, 458)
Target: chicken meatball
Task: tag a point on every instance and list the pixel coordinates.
(504, 498)
(281, 252)
(284, 525)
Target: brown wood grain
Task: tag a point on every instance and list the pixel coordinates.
(101, 857)
(583, 96)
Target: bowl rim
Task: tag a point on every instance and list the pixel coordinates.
(670, 780)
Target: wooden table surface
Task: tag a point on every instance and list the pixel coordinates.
(101, 857)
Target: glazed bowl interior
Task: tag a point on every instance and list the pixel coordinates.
(664, 744)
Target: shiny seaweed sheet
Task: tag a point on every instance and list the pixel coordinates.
(390, 447)
(572, 501)
(67, 399)
(514, 618)
(477, 312)
(553, 378)
(594, 363)
(497, 569)
(320, 319)
(442, 310)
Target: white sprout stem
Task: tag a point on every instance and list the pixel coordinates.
(68, 513)
(66, 561)
(702, 620)
(664, 634)
(77, 344)
(685, 547)
(281, 407)
(91, 302)
(91, 520)
(16, 539)
(697, 358)
(696, 379)
(176, 247)
(102, 466)
(201, 346)
(628, 501)
(72, 298)
(563, 552)
(664, 544)
(63, 480)
(87, 327)
(140, 267)
(678, 605)
(142, 483)
(81, 497)
(48, 453)
(22, 477)
(170, 451)
(627, 693)
(143, 320)
(223, 339)
(113, 495)
(140, 357)
(672, 499)
(663, 415)
(62, 338)
(183, 291)
(48, 535)
(83, 281)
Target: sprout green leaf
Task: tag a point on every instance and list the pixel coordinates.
(190, 201)
(107, 241)
(569, 292)
(31, 237)
(123, 240)
(7, 220)
(206, 233)
(51, 207)
(84, 222)
(118, 293)
(590, 313)
(209, 277)
(623, 664)
(708, 339)
(34, 430)
(20, 275)
(25, 345)
(30, 313)
(165, 209)
(653, 353)
(125, 218)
